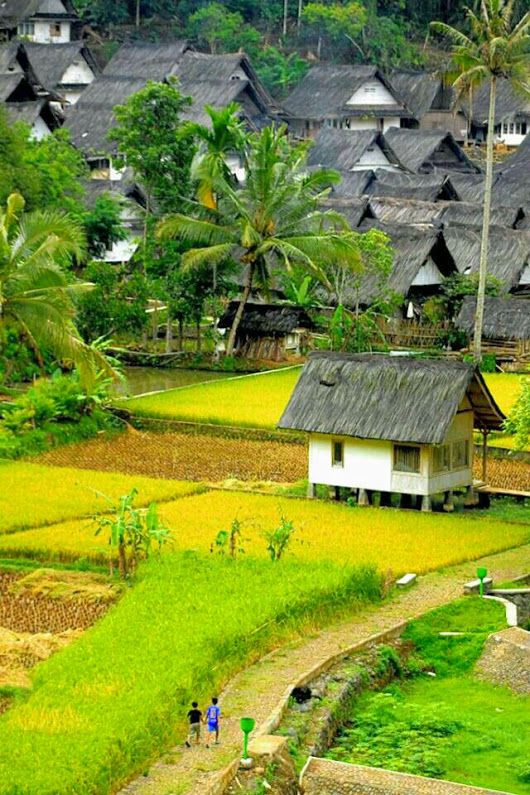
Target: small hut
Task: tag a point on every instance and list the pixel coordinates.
(391, 424)
(506, 327)
(268, 331)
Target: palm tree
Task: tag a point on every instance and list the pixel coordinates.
(225, 135)
(272, 220)
(35, 294)
(496, 48)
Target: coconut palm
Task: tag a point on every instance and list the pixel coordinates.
(225, 135)
(36, 295)
(273, 220)
(497, 47)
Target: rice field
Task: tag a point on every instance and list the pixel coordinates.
(391, 539)
(251, 401)
(109, 704)
(32, 495)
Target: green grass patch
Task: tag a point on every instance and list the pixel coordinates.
(252, 401)
(33, 495)
(105, 706)
(450, 726)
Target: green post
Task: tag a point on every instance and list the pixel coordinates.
(247, 724)
(481, 573)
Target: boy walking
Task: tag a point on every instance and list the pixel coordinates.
(195, 718)
(213, 714)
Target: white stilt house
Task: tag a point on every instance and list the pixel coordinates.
(392, 424)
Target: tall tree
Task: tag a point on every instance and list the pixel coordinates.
(272, 221)
(496, 48)
(36, 295)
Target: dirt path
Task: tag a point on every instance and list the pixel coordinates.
(257, 690)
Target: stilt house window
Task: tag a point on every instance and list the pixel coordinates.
(406, 458)
(337, 453)
(441, 458)
(460, 454)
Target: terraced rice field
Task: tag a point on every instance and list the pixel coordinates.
(391, 539)
(33, 494)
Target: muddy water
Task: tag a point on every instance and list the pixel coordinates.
(152, 379)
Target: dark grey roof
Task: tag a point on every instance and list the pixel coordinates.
(512, 185)
(13, 11)
(504, 318)
(418, 150)
(50, 61)
(471, 214)
(342, 149)
(9, 58)
(509, 252)
(8, 85)
(418, 90)
(353, 208)
(353, 183)
(509, 104)
(393, 398)
(405, 211)
(402, 185)
(267, 319)
(326, 89)
(29, 112)
(469, 187)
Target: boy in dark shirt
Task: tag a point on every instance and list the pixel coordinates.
(195, 718)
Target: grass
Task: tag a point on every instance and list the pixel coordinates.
(102, 708)
(392, 539)
(505, 388)
(452, 726)
(32, 495)
(254, 401)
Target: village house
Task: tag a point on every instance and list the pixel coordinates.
(506, 328)
(359, 150)
(268, 331)
(427, 151)
(66, 69)
(512, 114)
(42, 21)
(131, 199)
(25, 103)
(432, 101)
(391, 424)
(345, 97)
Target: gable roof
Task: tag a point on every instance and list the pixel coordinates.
(326, 88)
(353, 183)
(353, 208)
(504, 318)
(50, 61)
(509, 251)
(415, 149)
(267, 319)
(14, 11)
(418, 89)
(342, 149)
(509, 104)
(395, 398)
(402, 185)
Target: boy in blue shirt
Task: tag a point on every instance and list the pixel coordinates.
(213, 714)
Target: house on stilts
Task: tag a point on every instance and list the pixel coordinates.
(391, 424)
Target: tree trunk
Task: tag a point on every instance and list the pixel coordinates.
(285, 15)
(198, 335)
(122, 560)
(230, 345)
(181, 334)
(137, 13)
(483, 268)
(169, 335)
(300, 10)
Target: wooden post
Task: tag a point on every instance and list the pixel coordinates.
(426, 503)
(485, 456)
(364, 499)
(385, 499)
(449, 504)
(336, 493)
(311, 490)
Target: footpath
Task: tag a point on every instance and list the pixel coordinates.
(258, 690)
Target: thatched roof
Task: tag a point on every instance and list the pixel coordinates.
(405, 211)
(504, 318)
(29, 112)
(423, 151)
(267, 320)
(353, 208)
(14, 11)
(509, 252)
(9, 57)
(394, 398)
(418, 90)
(471, 214)
(353, 183)
(510, 105)
(50, 61)
(325, 90)
(512, 185)
(422, 187)
(342, 149)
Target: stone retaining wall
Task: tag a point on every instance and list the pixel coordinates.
(321, 776)
(505, 659)
(520, 597)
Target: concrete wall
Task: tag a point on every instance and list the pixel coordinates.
(374, 157)
(321, 776)
(78, 73)
(42, 33)
(520, 597)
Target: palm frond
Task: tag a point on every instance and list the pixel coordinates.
(193, 230)
(212, 255)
